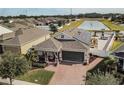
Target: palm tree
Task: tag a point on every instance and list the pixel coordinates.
(31, 56)
(12, 65)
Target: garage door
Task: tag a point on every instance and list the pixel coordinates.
(73, 56)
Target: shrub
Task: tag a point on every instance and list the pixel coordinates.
(39, 65)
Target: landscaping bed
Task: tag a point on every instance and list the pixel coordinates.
(37, 76)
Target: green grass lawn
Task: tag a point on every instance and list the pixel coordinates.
(111, 25)
(116, 44)
(72, 25)
(38, 76)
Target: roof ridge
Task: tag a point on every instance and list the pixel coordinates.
(53, 40)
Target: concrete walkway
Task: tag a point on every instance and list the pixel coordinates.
(16, 82)
(71, 74)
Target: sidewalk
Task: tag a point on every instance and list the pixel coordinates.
(16, 82)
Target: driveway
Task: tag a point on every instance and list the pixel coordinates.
(71, 74)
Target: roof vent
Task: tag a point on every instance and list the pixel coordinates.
(79, 32)
(62, 36)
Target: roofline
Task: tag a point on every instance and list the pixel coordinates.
(7, 28)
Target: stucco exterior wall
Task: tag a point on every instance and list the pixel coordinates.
(27, 46)
(13, 49)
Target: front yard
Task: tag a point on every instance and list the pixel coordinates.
(37, 76)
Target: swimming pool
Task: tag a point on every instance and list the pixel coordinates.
(93, 25)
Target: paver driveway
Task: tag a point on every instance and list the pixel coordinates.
(71, 74)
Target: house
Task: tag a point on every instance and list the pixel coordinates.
(119, 54)
(65, 47)
(5, 34)
(25, 39)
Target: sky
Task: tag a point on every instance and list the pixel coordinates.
(56, 11)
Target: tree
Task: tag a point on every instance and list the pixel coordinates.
(12, 65)
(31, 56)
(53, 28)
(60, 23)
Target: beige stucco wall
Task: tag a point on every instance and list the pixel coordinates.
(13, 49)
(27, 46)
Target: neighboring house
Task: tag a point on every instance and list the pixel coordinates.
(119, 53)
(5, 34)
(24, 40)
(65, 47)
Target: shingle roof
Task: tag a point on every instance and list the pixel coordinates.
(83, 36)
(27, 36)
(56, 45)
(4, 30)
(80, 34)
(49, 45)
(72, 46)
(64, 36)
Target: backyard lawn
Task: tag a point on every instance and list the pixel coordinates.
(111, 25)
(39, 76)
(116, 45)
(72, 25)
